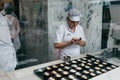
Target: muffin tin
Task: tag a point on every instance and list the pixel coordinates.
(78, 69)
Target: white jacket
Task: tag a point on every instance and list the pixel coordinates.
(63, 34)
(8, 60)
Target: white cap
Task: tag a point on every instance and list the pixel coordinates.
(74, 15)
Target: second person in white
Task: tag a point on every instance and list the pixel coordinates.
(14, 27)
(70, 36)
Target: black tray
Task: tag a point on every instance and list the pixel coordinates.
(89, 65)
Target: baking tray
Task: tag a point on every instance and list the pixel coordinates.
(77, 69)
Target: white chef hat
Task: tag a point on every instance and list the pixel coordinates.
(74, 15)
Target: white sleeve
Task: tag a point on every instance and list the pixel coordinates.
(59, 34)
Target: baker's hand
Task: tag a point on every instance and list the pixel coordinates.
(78, 41)
(75, 40)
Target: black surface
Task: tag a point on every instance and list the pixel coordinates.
(106, 18)
(115, 2)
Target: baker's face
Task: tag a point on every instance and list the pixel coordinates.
(72, 24)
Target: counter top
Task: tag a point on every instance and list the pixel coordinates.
(28, 74)
(3, 75)
(111, 75)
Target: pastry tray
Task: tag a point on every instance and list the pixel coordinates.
(77, 69)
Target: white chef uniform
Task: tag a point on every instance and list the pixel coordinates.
(64, 33)
(8, 59)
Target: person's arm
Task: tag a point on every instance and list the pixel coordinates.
(81, 43)
(68, 43)
(62, 44)
(17, 26)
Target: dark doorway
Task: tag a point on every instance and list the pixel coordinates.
(105, 24)
(16, 7)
